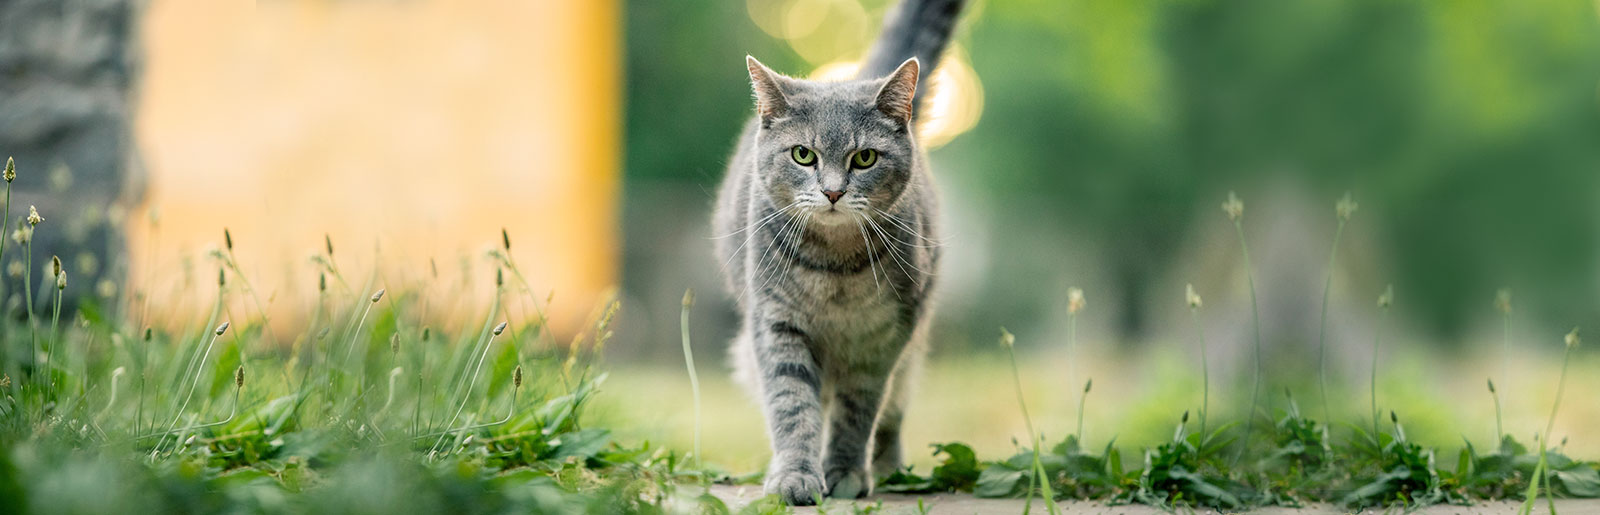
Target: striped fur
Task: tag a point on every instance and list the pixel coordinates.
(834, 296)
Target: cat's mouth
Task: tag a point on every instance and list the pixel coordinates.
(833, 215)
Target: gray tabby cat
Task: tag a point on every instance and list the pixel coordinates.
(833, 207)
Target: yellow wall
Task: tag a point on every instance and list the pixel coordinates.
(418, 127)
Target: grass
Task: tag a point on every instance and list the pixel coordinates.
(375, 406)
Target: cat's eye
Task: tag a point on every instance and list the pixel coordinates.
(804, 156)
(864, 159)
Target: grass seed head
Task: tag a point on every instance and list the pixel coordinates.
(427, 332)
(222, 277)
(394, 343)
(1345, 207)
(328, 241)
(377, 296)
(61, 280)
(1491, 385)
(55, 265)
(11, 169)
(1075, 302)
(1387, 297)
(1185, 419)
(322, 282)
(22, 235)
(505, 239)
(148, 333)
(1572, 339)
(499, 328)
(688, 298)
(227, 239)
(1233, 207)
(1006, 339)
(433, 267)
(1088, 385)
(222, 328)
(1192, 297)
(516, 377)
(33, 216)
(15, 269)
(238, 377)
(499, 277)
(1502, 301)
(1393, 417)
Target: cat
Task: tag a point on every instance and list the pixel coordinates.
(830, 252)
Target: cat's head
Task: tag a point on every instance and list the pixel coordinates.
(834, 150)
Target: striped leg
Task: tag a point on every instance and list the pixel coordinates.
(791, 385)
(886, 434)
(855, 402)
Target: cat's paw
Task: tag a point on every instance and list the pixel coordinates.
(849, 483)
(886, 463)
(794, 487)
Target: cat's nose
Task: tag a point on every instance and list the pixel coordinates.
(833, 196)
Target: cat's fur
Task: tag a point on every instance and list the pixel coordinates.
(835, 295)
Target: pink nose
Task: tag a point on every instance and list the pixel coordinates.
(833, 196)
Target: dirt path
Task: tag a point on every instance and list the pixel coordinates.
(739, 496)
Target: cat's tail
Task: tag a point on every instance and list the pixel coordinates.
(914, 28)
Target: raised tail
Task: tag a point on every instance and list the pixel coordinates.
(915, 28)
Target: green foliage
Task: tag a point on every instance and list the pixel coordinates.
(957, 472)
(1072, 473)
(1189, 471)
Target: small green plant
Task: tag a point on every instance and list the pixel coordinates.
(1174, 475)
(1502, 303)
(1342, 210)
(1499, 433)
(958, 471)
(1039, 478)
(1234, 208)
(1194, 301)
(1083, 399)
(1075, 303)
(688, 363)
(1384, 300)
(1542, 469)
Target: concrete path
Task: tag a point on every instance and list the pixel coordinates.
(739, 496)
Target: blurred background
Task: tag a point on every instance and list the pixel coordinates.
(1076, 142)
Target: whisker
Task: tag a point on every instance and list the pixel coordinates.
(895, 254)
(906, 226)
(871, 260)
(769, 219)
(753, 224)
(790, 231)
(903, 242)
(762, 259)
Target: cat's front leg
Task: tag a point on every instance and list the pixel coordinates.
(791, 386)
(856, 398)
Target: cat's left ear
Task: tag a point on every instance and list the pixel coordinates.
(770, 101)
(895, 97)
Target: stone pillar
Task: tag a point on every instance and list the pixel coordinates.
(67, 72)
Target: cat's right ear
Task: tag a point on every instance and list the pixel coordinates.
(770, 102)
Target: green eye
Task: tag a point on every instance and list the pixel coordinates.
(803, 155)
(864, 159)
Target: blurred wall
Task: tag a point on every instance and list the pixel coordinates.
(409, 130)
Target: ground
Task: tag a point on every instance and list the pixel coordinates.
(738, 496)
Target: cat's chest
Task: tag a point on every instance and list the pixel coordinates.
(849, 306)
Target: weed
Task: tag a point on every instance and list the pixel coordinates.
(1342, 210)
